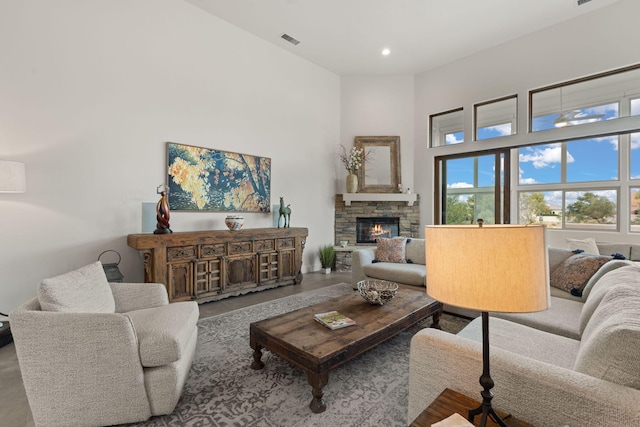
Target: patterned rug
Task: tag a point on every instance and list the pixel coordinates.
(222, 390)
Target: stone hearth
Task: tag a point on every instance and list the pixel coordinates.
(345, 216)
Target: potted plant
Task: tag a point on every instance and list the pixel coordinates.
(327, 255)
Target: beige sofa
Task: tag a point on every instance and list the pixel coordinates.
(93, 353)
(575, 364)
(414, 273)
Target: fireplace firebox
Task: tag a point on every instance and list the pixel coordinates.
(369, 229)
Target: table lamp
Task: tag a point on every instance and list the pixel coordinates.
(487, 268)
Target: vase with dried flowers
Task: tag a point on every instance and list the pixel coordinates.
(352, 161)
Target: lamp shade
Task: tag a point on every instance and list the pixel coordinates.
(12, 177)
(491, 268)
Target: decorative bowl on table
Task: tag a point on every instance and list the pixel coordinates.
(377, 292)
(234, 222)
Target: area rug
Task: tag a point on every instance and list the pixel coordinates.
(222, 390)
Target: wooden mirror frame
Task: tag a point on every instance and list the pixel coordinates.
(366, 142)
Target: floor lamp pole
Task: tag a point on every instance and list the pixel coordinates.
(486, 382)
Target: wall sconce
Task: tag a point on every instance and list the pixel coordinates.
(12, 177)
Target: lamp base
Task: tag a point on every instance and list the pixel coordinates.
(487, 411)
(486, 382)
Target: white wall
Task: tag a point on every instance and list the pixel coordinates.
(599, 41)
(91, 91)
(378, 106)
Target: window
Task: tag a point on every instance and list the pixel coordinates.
(586, 178)
(588, 209)
(552, 168)
(595, 210)
(474, 187)
(634, 156)
(585, 160)
(495, 119)
(605, 96)
(447, 128)
(634, 219)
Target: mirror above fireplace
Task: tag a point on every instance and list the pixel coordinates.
(380, 172)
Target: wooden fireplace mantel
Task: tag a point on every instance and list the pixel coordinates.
(211, 265)
(379, 197)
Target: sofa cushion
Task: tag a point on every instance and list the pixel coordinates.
(561, 318)
(575, 271)
(610, 342)
(623, 249)
(163, 332)
(628, 274)
(415, 251)
(391, 250)
(525, 341)
(635, 253)
(84, 290)
(409, 274)
(587, 245)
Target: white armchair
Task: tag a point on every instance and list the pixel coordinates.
(93, 353)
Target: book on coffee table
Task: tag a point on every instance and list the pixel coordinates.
(334, 320)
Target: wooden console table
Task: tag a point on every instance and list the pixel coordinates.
(211, 265)
(450, 402)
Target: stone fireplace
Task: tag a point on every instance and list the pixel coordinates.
(407, 216)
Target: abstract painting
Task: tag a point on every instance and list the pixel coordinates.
(204, 179)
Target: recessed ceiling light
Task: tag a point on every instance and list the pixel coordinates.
(386, 51)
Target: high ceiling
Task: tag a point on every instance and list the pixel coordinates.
(347, 36)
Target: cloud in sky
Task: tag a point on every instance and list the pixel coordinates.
(525, 181)
(460, 185)
(451, 139)
(502, 130)
(544, 156)
(635, 141)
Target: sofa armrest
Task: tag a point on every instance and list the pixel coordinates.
(360, 258)
(137, 296)
(537, 392)
(90, 358)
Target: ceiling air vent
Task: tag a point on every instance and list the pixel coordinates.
(290, 39)
(581, 2)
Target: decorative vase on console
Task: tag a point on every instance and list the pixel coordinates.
(352, 162)
(352, 183)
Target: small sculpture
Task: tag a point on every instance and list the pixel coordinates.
(284, 212)
(162, 211)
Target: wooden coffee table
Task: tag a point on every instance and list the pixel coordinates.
(302, 341)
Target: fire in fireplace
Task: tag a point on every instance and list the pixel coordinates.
(369, 229)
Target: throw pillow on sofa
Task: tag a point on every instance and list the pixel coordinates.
(574, 272)
(391, 250)
(588, 245)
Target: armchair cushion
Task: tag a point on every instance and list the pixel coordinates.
(163, 332)
(84, 290)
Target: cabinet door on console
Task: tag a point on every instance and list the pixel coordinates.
(268, 263)
(287, 258)
(180, 272)
(240, 272)
(208, 270)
